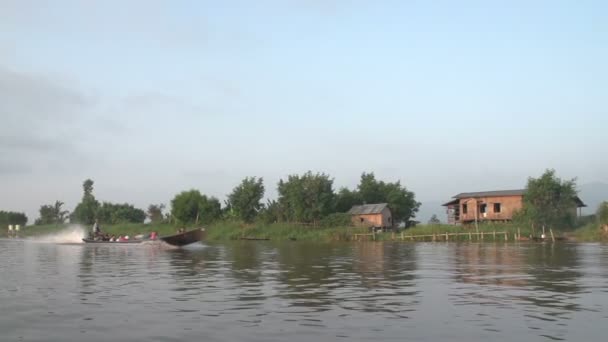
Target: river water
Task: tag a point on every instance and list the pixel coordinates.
(294, 291)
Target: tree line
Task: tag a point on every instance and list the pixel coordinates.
(12, 218)
(308, 198)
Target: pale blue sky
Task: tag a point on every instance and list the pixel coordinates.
(149, 98)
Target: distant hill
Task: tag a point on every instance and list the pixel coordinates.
(592, 194)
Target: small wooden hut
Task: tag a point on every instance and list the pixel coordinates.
(372, 215)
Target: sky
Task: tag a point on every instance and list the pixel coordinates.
(150, 98)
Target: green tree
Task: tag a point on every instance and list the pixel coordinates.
(402, 202)
(549, 202)
(271, 212)
(434, 220)
(111, 213)
(371, 190)
(210, 210)
(52, 214)
(346, 199)
(244, 201)
(155, 212)
(11, 217)
(191, 206)
(306, 198)
(85, 211)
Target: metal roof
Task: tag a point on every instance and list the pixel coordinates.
(366, 209)
(452, 202)
(518, 192)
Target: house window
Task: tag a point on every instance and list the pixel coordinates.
(497, 207)
(482, 208)
(361, 220)
(389, 219)
(464, 208)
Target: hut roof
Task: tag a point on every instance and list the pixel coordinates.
(366, 209)
(498, 193)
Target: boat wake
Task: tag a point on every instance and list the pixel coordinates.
(73, 234)
(160, 244)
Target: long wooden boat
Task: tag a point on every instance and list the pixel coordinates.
(185, 238)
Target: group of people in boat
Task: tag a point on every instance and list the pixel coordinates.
(98, 235)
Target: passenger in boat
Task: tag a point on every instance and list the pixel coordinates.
(113, 238)
(153, 235)
(96, 228)
(181, 230)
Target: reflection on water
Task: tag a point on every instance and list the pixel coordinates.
(261, 291)
(543, 282)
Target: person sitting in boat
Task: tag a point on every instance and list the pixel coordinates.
(181, 230)
(153, 235)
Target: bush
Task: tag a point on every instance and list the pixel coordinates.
(602, 213)
(337, 220)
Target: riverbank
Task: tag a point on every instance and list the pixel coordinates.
(230, 230)
(219, 231)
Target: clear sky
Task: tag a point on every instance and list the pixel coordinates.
(149, 98)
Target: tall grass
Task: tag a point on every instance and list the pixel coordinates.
(227, 230)
(591, 232)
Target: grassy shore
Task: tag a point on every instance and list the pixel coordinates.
(229, 230)
(280, 231)
(590, 233)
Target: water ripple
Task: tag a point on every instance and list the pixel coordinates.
(264, 292)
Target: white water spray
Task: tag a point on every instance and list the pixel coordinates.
(74, 233)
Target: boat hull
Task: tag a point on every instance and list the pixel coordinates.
(185, 238)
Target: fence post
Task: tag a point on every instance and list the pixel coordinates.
(470, 237)
(447, 237)
(482, 235)
(506, 236)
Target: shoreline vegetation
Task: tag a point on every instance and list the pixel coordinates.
(235, 230)
(323, 213)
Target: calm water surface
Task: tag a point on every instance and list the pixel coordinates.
(257, 291)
